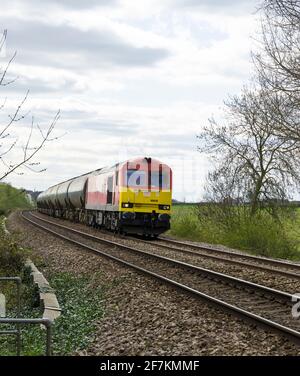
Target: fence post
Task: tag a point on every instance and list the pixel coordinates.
(2, 305)
(18, 337)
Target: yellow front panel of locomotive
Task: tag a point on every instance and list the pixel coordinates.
(145, 201)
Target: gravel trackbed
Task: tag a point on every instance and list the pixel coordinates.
(145, 317)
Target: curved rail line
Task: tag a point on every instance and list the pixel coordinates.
(285, 273)
(266, 260)
(263, 296)
(233, 260)
(236, 258)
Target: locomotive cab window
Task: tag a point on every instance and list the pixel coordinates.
(109, 190)
(136, 178)
(117, 178)
(160, 179)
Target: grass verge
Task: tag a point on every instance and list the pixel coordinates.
(79, 296)
(82, 305)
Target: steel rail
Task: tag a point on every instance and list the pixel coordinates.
(292, 334)
(213, 274)
(284, 273)
(230, 253)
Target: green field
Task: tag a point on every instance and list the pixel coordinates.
(262, 237)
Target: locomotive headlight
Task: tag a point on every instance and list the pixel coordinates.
(127, 205)
(164, 207)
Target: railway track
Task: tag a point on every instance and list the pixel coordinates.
(280, 267)
(262, 305)
(285, 280)
(266, 265)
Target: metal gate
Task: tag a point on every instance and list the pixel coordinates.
(19, 322)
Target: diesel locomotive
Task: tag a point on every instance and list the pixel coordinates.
(131, 197)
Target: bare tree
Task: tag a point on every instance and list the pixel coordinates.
(278, 61)
(225, 198)
(258, 165)
(30, 144)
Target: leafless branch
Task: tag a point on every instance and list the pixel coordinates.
(254, 163)
(8, 133)
(30, 151)
(278, 61)
(5, 70)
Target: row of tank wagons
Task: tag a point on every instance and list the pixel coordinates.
(67, 194)
(70, 194)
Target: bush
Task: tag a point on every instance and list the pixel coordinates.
(263, 234)
(12, 257)
(12, 198)
(184, 223)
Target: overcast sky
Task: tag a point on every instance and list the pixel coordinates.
(132, 78)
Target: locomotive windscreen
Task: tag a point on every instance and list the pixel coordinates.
(155, 179)
(138, 178)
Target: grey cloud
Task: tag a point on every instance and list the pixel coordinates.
(78, 114)
(181, 142)
(39, 86)
(80, 120)
(79, 4)
(68, 4)
(228, 6)
(68, 47)
(213, 3)
(109, 128)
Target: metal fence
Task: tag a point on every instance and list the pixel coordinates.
(18, 322)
